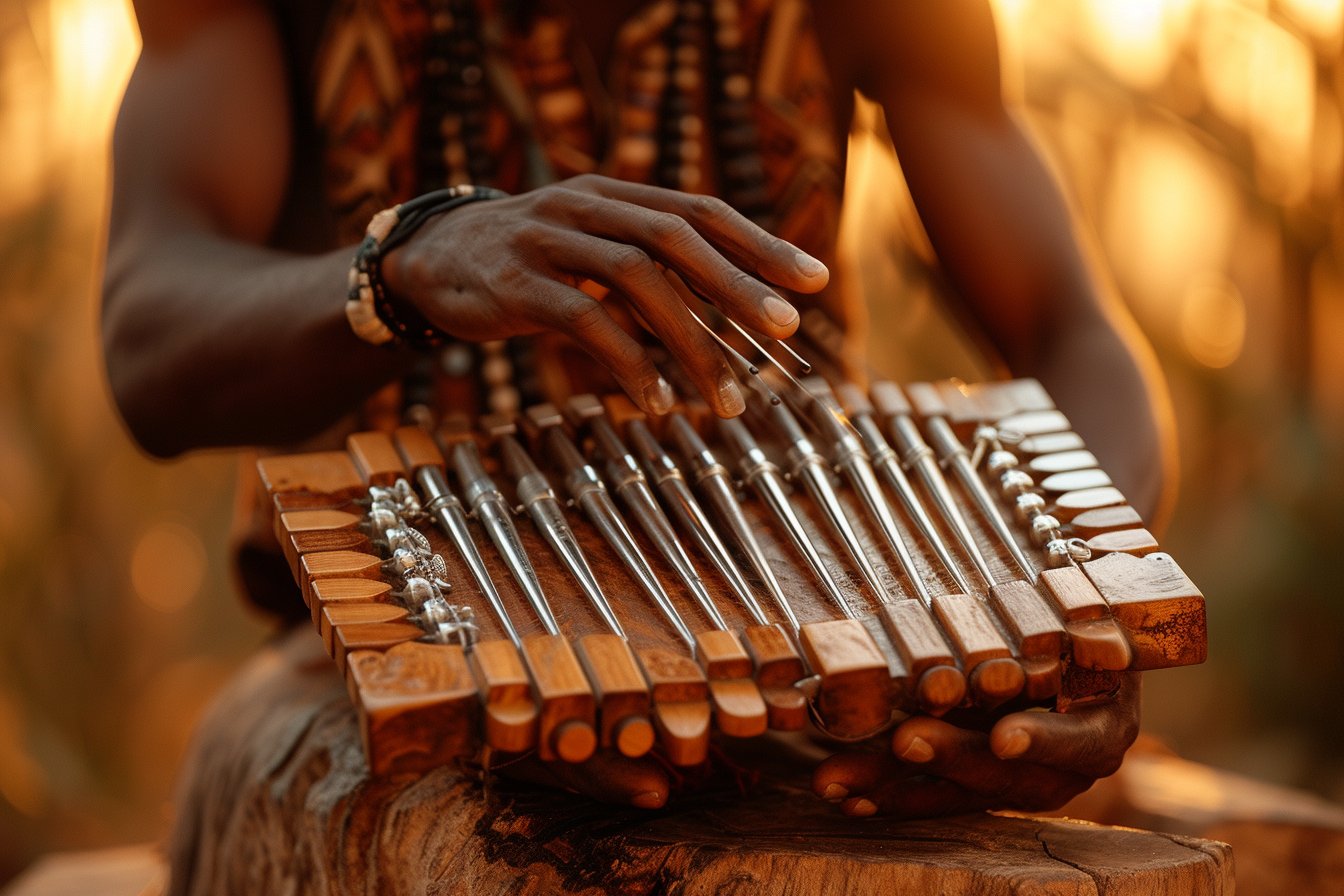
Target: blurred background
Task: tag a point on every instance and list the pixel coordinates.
(1201, 142)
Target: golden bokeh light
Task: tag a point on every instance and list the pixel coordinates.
(1137, 39)
(1213, 321)
(167, 566)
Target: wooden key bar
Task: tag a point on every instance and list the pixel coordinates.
(854, 698)
(510, 712)
(1160, 609)
(1037, 636)
(1091, 523)
(567, 725)
(992, 673)
(375, 457)
(937, 685)
(337, 615)
(779, 668)
(417, 706)
(335, 592)
(738, 707)
(680, 704)
(623, 699)
(336, 565)
(1095, 639)
(1139, 542)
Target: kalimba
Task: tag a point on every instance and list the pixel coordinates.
(583, 577)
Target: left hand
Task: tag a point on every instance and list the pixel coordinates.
(1029, 761)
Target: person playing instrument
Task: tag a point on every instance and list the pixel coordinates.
(256, 141)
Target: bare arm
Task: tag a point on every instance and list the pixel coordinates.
(1004, 234)
(210, 338)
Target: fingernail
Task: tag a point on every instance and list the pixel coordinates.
(781, 312)
(1014, 744)
(658, 397)
(862, 807)
(650, 800)
(918, 751)
(835, 792)
(731, 396)
(809, 265)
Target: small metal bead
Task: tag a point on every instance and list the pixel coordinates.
(1001, 461)
(1079, 550)
(1029, 506)
(1057, 554)
(1044, 528)
(985, 434)
(421, 593)
(383, 518)
(1015, 482)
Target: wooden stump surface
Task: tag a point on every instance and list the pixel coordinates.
(277, 799)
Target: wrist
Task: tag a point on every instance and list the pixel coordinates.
(376, 305)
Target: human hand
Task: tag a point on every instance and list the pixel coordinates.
(508, 267)
(1030, 761)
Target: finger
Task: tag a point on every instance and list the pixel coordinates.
(843, 774)
(673, 241)
(630, 271)
(963, 756)
(915, 798)
(607, 777)
(556, 306)
(749, 246)
(1091, 739)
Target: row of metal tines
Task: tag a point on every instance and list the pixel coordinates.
(916, 648)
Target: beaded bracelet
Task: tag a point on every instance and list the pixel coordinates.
(374, 314)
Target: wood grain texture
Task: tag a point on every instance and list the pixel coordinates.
(1160, 609)
(375, 457)
(278, 800)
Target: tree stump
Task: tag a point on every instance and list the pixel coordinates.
(277, 799)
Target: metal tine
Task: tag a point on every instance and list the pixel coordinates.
(954, 454)
(628, 480)
(810, 467)
(538, 498)
(784, 371)
(448, 512)
(716, 483)
(589, 492)
(491, 508)
(746, 371)
(917, 455)
(830, 419)
(671, 484)
(765, 478)
(886, 462)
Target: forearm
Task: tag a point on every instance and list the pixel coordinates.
(1004, 234)
(214, 342)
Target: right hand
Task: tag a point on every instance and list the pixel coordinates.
(509, 267)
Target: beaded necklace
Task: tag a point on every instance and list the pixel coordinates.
(678, 65)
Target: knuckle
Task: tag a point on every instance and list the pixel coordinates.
(629, 262)
(668, 228)
(555, 201)
(511, 276)
(711, 209)
(577, 313)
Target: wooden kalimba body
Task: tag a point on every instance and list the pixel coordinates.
(831, 619)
